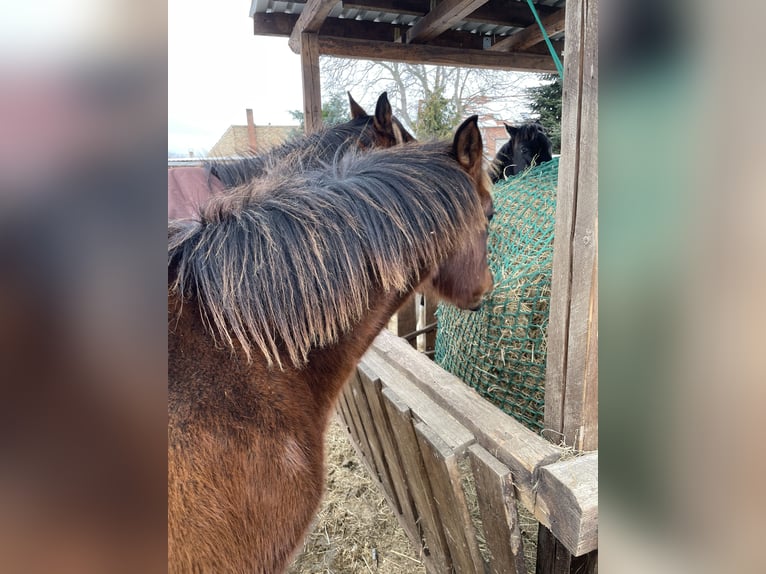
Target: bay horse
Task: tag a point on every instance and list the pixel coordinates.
(273, 297)
(191, 187)
(528, 145)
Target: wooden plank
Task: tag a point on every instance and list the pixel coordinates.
(431, 305)
(497, 504)
(407, 318)
(310, 20)
(436, 55)
(571, 485)
(400, 417)
(441, 18)
(361, 434)
(523, 451)
(363, 379)
(446, 485)
(581, 399)
(571, 393)
(531, 35)
(398, 479)
(312, 91)
(455, 434)
(346, 415)
(554, 558)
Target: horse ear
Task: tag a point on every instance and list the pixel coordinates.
(383, 113)
(467, 145)
(356, 109)
(511, 130)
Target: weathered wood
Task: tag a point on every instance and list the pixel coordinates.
(571, 393)
(497, 504)
(346, 416)
(310, 20)
(312, 91)
(412, 530)
(554, 558)
(523, 451)
(364, 380)
(361, 432)
(442, 17)
(571, 486)
(419, 486)
(455, 434)
(407, 318)
(436, 55)
(398, 477)
(531, 35)
(430, 317)
(444, 475)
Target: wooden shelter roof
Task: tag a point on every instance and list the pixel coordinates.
(481, 33)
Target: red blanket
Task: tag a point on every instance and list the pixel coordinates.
(189, 188)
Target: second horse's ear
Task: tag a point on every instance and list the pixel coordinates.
(383, 113)
(467, 145)
(511, 130)
(356, 109)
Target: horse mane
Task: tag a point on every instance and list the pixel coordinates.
(302, 152)
(285, 264)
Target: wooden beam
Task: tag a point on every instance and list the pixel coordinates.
(436, 55)
(571, 484)
(312, 91)
(446, 14)
(571, 382)
(310, 20)
(280, 24)
(497, 12)
(532, 34)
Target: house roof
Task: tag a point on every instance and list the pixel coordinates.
(484, 33)
(235, 139)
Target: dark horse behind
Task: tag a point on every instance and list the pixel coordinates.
(528, 145)
(191, 187)
(273, 297)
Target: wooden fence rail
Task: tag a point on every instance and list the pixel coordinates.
(424, 435)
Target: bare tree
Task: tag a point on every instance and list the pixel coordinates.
(470, 90)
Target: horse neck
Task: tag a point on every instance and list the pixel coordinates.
(330, 367)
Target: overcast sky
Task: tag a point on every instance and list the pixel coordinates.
(217, 68)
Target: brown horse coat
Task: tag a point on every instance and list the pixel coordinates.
(260, 342)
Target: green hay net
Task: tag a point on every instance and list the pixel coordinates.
(500, 350)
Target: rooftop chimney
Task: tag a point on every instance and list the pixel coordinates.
(251, 131)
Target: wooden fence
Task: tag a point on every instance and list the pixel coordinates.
(415, 322)
(453, 468)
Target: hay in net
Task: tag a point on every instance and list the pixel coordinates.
(500, 350)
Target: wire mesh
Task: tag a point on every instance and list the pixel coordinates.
(500, 350)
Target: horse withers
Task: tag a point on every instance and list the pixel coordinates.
(528, 145)
(273, 297)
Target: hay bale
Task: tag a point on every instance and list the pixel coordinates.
(501, 350)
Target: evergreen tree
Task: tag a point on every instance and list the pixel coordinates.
(436, 115)
(335, 111)
(545, 102)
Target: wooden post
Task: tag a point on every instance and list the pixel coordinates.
(571, 387)
(312, 92)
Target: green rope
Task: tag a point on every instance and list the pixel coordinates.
(556, 60)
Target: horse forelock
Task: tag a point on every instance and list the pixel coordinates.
(289, 263)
